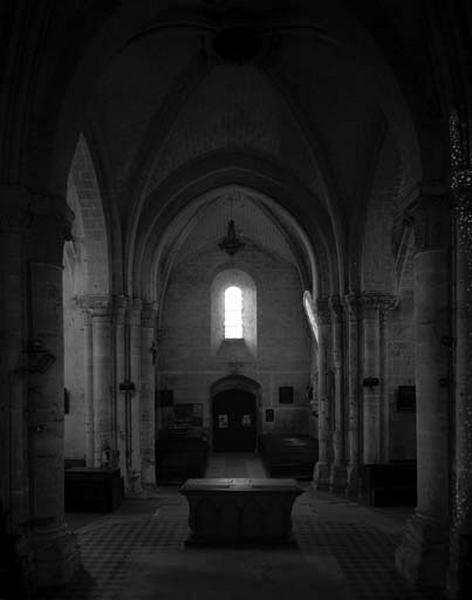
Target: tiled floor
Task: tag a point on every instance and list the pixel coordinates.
(344, 551)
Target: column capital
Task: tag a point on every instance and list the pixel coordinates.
(149, 314)
(135, 306)
(430, 217)
(119, 306)
(337, 308)
(97, 305)
(353, 304)
(323, 311)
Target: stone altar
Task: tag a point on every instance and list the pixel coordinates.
(239, 511)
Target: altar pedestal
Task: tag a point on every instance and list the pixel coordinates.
(240, 511)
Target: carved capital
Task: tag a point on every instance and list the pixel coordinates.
(149, 314)
(353, 304)
(430, 216)
(134, 311)
(370, 302)
(323, 311)
(337, 309)
(97, 305)
(119, 305)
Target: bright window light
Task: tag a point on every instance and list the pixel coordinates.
(233, 313)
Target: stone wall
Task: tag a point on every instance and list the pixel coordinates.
(189, 365)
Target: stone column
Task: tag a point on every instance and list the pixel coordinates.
(371, 395)
(322, 468)
(119, 338)
(338, 476)
(134, 400)
(14, 220)
(423, 555)
(148, 387)
(55, 553)
(388, 302)
(353, 311)
(100, 322)
(461, 531)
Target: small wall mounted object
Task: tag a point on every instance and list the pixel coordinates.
(371, 382)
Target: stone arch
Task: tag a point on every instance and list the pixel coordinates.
(235, 381)
(246, 172)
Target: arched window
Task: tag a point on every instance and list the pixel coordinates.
(233, 313)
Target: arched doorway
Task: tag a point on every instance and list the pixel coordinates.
(234, 414)
(234, 421)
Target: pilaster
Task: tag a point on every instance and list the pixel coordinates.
(134, 399)
(353, 313)
(322, 468)
(148, 386)
(338, 475)
(100, 310)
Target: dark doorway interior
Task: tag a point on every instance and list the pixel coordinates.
(234, 421)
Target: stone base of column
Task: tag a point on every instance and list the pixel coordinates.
(353, 482)
(321, 476)
(133, 484)
(338, 479)
(422, 557)
(55, 556)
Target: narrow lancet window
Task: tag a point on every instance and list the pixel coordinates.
(233, 313)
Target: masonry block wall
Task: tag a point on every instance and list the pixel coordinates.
(188, 365)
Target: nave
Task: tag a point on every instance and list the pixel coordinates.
(342, 551)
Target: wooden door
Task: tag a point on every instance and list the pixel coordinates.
(234, 421)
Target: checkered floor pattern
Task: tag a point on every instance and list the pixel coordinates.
(113, 546)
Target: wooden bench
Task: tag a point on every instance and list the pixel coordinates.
(289, 455)
(239, 511)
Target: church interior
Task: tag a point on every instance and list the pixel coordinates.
(235, 246)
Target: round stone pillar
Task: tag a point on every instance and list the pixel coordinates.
(99, 308)
(371, 396)
(14, 220)
(353, 311)
(55, 553)
(338, 476)
(321, 475)
(134, 399)
(461, 530)
(148, 387)
(423, 555)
